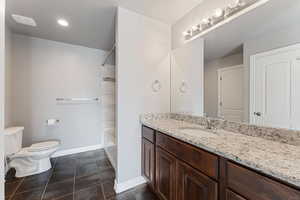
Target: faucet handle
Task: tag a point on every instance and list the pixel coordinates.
(221, 117)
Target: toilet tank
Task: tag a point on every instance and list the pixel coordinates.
(13, 140)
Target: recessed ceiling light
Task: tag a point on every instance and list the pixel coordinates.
(63, 22)
(24, 20)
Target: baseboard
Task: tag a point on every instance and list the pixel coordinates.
(127, 185)
(76, 150)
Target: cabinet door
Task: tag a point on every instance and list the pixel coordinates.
(148, 161)
(193, 185)
(165, 175)
(232, 196)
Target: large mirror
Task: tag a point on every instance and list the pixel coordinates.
(251, 68)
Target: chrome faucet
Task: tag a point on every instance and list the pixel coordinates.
(208, 124)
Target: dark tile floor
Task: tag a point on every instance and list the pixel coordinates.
(84, 176)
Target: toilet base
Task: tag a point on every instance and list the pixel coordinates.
(31, 167)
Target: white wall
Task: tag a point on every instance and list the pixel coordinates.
(187, 68)
(8, 67)
(2, 93)
(266, 42)
(44, 70)
(143, 56)
(211, 81)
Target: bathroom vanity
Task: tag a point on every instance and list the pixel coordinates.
(183, 161)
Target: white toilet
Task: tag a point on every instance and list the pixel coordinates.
(30, 160)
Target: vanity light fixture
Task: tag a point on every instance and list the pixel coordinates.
(63, 22)
(219, 15)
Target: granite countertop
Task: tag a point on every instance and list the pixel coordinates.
(272, 158)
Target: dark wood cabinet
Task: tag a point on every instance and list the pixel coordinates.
(254, 186)
(193, 185)
(233, 196)
(180, 171)
(197, 158)
(165, 175)
(148, 134)
(148, 162)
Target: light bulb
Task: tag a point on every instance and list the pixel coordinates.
(205, 21)
(186, 33)
(218, 13)
(63, 22)
(240, 2)
(196, 28)
(237, 3)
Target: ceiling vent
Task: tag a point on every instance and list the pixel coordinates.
(24, 20)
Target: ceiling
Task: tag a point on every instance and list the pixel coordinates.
(276, 15)
(91, 21)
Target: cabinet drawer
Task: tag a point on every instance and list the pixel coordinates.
(254, 186)
(199, 159)
(148, 133)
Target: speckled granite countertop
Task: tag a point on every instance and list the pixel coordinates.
(269, 157)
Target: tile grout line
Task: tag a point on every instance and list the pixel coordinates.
(48, 180)
(60, 197)
(12, 195)
(108, 169)
(93, 185)
(102, 187)
(35, 189)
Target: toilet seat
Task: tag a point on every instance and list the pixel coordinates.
(37, 150)
(25, 153)
(43, 146)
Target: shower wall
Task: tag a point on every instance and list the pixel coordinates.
(108, 111)
(108, 104)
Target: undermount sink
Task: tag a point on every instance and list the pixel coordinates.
(198, 131)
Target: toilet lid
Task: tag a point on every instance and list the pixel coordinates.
(43, 146)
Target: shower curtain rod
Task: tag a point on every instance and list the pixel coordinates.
(109, 54)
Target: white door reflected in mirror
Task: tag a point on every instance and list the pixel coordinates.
(275, 81)
(230, 93)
